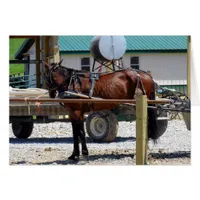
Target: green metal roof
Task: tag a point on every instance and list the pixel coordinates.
(134, 43)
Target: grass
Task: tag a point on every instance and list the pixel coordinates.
(14, 45)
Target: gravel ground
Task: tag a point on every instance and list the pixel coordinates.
(51, 144)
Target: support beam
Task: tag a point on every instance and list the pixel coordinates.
(37, 49)
(55, 46)
(46, 53)
(141, 130)
(96, 100)
(46, 49)
(187, 116)
(189, 67)
(21, 36)
(24, 61)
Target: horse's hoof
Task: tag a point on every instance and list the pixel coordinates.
(83, 160)
(73, 157)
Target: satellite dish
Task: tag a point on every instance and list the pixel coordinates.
(107, 48)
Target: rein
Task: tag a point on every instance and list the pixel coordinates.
(73, 78)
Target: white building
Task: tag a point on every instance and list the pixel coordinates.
(164, 56)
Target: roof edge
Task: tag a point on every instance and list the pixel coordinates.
(27, 44)
(130, 51)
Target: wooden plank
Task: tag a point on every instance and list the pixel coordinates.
(141, 130)
(55, 49)
(21, 36)
(46, 53)
(44, 109)
(115, 101)
(187, 116)
(24, 61)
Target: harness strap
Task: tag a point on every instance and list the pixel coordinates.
(139, 80)
(74, 79)
(93, 78)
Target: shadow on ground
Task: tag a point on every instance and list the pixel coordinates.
(111, 156)
(171, 155)
(67, 140)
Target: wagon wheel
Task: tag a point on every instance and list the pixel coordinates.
(102, 126)
(22, 129)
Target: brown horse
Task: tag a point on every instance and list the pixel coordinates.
(123, 84)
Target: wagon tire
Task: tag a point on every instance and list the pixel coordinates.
(22, 129)
(102, 126)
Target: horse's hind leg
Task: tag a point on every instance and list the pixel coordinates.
(76, 151)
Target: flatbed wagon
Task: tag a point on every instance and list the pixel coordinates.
(23, 116)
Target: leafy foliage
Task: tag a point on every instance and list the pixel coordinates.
(14, 45)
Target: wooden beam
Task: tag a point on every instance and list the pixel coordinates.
(46, 54)
(141, 130)
(37, 49)
(187, 116)
(115, 101)
(22, 36)
(46, 49)
(189, 67)
(24, 61)
(54, 49)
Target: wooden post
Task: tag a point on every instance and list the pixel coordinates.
(56, 52)
(187, 116)
(46, 53)
(141, 130)
(46, 49)
(37, 49)
(189, 67)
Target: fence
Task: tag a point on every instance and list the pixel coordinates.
(22, 81)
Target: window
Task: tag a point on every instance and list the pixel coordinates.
(85, 64)
(135, 62)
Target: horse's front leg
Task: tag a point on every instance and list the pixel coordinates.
(76, 152)
(77, 119)
(83, 139)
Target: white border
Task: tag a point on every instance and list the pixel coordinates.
(97, 18)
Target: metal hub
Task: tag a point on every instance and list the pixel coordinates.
(98, 126)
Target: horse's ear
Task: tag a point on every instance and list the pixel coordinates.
(60, 62)
(46, 64)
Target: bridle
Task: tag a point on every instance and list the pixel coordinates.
(54, 85)
(73, 77)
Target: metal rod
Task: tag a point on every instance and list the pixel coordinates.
(81, 95)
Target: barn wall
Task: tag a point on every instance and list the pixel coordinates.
(74, 61)
(167, 69)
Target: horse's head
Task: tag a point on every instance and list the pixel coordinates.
(57, 77)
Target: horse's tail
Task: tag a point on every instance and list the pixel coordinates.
(153, 128)
(154, 131)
